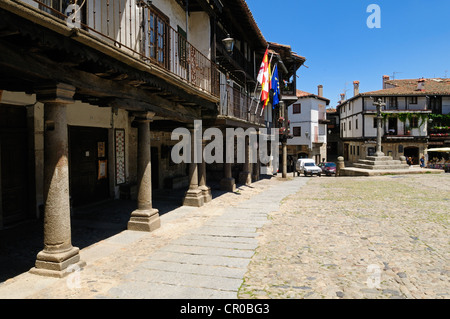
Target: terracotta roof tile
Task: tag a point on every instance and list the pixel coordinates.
(302, 94)
(410, 87)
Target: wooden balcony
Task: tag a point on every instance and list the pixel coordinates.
(238, 105)
(134, 27)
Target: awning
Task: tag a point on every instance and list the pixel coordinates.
(439, 149)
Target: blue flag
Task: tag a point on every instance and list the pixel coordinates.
(275, 87)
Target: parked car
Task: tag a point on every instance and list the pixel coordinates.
(328, 168)
(307, 166)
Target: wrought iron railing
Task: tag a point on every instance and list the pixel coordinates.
(288, 88)
(238, 104)
(140, 30)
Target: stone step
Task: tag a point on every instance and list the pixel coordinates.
(379, 158)
(381, 167)
(371, 162)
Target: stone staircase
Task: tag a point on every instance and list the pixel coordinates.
(381, 163)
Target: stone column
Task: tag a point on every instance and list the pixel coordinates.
(284, 168)
(194, 195)
(206, 190)
(227, 183)
(245, 177)
(256, 165)
(284, 142)
(379, 106)
(58, 253)
(145, 217)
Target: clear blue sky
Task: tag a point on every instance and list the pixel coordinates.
(413, 40)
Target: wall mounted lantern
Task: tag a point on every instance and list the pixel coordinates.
(228, 42)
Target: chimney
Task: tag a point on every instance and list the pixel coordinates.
(320, 90)
(385, 78)
(342, 97)
(355, 88)
(421, 85)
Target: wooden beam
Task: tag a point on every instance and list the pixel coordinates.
(87, 84)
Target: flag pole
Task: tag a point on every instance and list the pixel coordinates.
(271, 56)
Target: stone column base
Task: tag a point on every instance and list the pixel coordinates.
(144, 220)
(228, 184)
(56, 264)
(193, 197)
(206, 193)
(245, 178)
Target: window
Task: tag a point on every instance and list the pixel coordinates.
(413, 100)
(156, 37)
(297, 131)
(356, 125)
(297, 108)
(350, 125)
(414, 122)
(393, 103)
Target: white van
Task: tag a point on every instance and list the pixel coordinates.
(307, 166)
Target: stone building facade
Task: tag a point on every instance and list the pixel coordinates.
(409, 105)
(90, 94)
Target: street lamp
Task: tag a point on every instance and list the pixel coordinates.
(228, 42)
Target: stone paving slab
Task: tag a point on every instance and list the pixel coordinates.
(210, 270)
(234, 262)
(221, 239)
(211, 251)
(184, 279)
(142, 290)
(224, 232)
(206, 242)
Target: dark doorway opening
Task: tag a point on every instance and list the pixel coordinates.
(412, 152)
(14, 180)
(88, 156)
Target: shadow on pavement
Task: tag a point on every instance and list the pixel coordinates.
(90, 224)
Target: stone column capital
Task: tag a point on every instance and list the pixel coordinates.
(55, 93)
(143, 117)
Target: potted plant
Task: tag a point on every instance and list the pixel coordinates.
(407, 130)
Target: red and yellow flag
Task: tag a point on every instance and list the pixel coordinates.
(263, 76)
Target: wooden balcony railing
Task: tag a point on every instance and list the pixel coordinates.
(288, 89)
(234, 103)
(137, 28)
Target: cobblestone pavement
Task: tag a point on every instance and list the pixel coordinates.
(356, 237)
(304, 237)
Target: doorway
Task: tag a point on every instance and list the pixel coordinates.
(14, 177)
(88, 156)
(412, 152)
